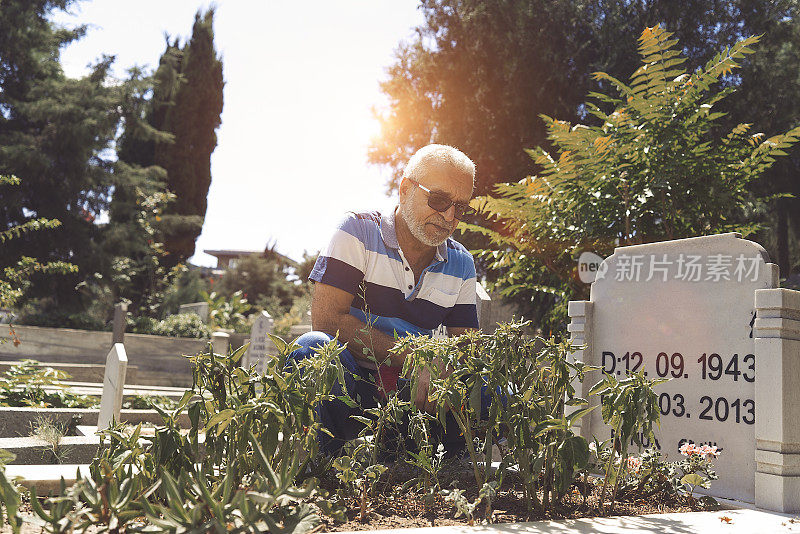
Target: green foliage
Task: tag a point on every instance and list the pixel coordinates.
(178, 325)
(136, 272)
(646, 475)
(530, 383)
(9, 496)
(296, 314)
(650, 170)
(263, 280)
(15, 279)
(251, 475)
(630, 408)
(229, 312)
(188, 104)
(185, 288)
(30, 384)
(43, 312)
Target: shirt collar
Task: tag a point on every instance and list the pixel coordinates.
(389, 236)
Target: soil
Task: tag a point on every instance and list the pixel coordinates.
(391, 508)
(408, 511)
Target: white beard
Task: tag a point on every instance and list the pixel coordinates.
(417, 226)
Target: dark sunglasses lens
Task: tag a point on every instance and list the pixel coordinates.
(439, 203)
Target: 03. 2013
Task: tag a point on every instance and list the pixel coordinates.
(719, 409)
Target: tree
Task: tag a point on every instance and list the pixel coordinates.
(478, 75)
(15, 280)
(54, 135)
(262, 278)
(164, 150)
(191, 81)
(768, 83)
(651, 170)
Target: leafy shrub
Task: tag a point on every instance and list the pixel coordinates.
(179, 325)
(182, 325)
(24, 385)
(530, 382)
(651, 168)
(227, 312)
(33, 315)
(247, 478)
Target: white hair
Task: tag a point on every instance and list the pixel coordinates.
(432, 156)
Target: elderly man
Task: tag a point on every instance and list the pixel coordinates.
(400, 272)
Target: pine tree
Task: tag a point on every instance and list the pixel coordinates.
(54, 133)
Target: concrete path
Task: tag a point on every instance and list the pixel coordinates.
(726, 521)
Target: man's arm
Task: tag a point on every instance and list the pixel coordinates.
(330, 313)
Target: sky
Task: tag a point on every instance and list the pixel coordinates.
(301, 80)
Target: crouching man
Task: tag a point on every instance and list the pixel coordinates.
(400, 272)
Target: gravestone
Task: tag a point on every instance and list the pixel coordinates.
(684, 310)
(113, 385)
(200, 308)
(120, 323)
(259, 343)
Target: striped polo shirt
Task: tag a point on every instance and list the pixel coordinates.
(365, 259)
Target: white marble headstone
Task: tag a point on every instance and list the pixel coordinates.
(685, 310)
(113, 385)
(257, 351)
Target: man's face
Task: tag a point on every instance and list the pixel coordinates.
(426, 224)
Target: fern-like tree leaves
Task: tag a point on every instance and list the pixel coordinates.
(651, 168)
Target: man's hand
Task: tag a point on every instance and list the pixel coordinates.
(421, 395)
(421, 400)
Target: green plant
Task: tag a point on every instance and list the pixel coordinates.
(15, 280)
(630, 407)
(178, 325)
(29, 384)
(696, 468)
(295, 315)
(227, 313)
(182, 325)
(147, 402)
(651, 168)
(51, 433)
(9, 496)
(529, 382)
(249, 475)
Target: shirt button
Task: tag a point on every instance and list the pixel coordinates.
(410, 287)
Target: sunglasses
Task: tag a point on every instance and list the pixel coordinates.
(441, 202)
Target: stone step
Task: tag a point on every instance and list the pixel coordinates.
(46, 478)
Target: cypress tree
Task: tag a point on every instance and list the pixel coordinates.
(189, 96)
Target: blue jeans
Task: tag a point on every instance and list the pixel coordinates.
(360, 386)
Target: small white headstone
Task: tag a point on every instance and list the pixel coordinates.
(684, 310)
(113, 385)
(257, 351)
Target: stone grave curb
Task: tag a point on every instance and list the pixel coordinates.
(16, 421)
(34, 451)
